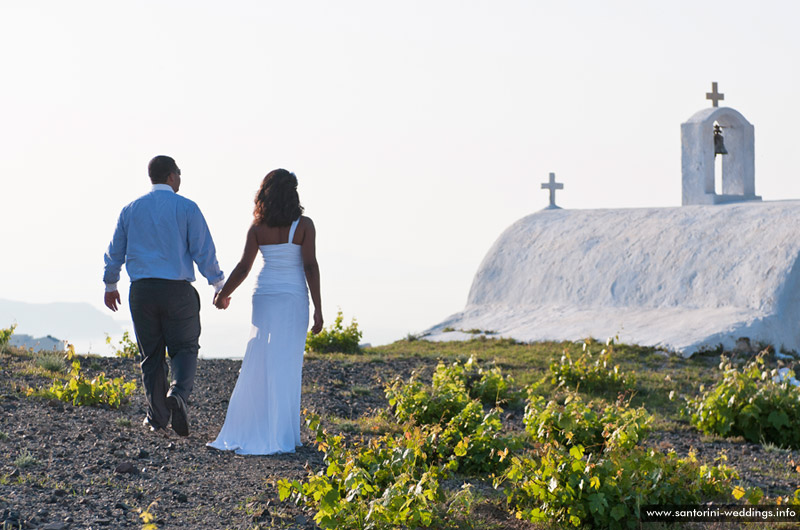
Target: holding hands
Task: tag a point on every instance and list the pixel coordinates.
(221, 302)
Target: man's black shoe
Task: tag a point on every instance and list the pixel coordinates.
(150, 425)
(180, 416)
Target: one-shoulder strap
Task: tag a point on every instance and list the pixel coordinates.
(292, 229)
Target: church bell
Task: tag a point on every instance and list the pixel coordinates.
(719, 144)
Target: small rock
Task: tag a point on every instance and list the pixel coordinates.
(126, 467)
(59, 492)
(119, 453)
(54, 526)
(143, 454)
(743, 346)
(181, 497)
(12, 518)
(121, 506)
(300, 519)
(14, 474)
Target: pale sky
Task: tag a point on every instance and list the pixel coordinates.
(418, 130)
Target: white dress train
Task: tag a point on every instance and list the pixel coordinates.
(264, 410)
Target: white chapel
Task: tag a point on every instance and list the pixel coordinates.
(721, 267)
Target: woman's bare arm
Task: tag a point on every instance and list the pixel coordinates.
(311, 267)
(239, 272)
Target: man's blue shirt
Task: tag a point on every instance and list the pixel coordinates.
(161, 235)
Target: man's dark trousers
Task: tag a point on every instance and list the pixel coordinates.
(166, 317)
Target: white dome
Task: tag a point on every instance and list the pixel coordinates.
(681, 278)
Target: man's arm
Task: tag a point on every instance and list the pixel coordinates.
(202, 249)
(114, 258)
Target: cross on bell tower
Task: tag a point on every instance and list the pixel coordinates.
(552, 185)
(714, 95)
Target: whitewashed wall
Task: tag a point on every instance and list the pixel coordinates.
(680, 278)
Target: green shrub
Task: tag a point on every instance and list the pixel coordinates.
(384, 485)
(5, 336)
(486, 384)
(25, 459)
(148, 517)
(77, 390)
(571, 486)
(128, 349)
(452, 387)
(748, 402)
(51, 362)
(414, 401)
(336, 338)
(493, 388)
(589, 372)
(394, 481)
(473, 441)
(588, 469)
(577, 423)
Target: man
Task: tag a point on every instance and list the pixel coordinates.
(159, 237)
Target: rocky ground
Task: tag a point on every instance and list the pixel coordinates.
(99, 468)
(65, 467)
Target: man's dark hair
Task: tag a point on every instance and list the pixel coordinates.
(160, 167)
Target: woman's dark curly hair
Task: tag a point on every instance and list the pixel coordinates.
(277, 202)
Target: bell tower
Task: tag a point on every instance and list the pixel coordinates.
(717, 131)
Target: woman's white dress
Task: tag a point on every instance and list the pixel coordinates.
(264, 411)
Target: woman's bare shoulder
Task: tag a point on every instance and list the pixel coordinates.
(258, 232)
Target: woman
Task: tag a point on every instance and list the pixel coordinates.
(264, 411)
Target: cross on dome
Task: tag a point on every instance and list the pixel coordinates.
(552, 185)
(714, 95)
